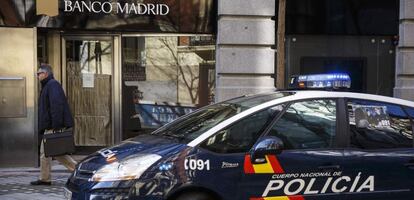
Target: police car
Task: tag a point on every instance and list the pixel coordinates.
(284, 145)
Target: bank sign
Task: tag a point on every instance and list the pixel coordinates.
(146, 16)
(109, 7)
(51, 7)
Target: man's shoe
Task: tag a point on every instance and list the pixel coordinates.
(39, 182)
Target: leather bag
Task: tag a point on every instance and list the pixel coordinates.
(59, 143)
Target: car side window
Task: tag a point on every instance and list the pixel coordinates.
(240, 136)
(376, 125)
(307, 125)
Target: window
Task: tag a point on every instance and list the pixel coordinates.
(307, 125)
(193, 125)
(342, 17)
(375, 125)
(162, 81)
(41, 48)
(241, 136)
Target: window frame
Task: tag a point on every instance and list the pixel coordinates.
(347, 133)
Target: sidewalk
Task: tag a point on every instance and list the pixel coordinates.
(15, 183)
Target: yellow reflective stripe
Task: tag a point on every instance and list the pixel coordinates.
(263, 168)
(277, 198)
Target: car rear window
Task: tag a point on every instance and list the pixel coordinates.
(377, 125)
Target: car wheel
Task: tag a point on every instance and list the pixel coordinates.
(194, 196)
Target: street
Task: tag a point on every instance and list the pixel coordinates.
(15, 184)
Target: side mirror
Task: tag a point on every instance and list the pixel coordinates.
(266, 145)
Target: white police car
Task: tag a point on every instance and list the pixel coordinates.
(284, 145)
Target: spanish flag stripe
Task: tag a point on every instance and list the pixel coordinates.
(263, 168)
(296, 197)
(277, 198)
(277, 168)
(248, 167)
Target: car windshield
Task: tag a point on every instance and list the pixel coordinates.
(189, 127)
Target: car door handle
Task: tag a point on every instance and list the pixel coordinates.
(329, 167)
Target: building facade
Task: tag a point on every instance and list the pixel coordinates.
(404, 81)
(127, 67)
(245, 47)
(130, 66)
(358, 37)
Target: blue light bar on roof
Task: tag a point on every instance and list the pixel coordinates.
(321, 81)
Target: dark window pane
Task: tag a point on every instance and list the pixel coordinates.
(241, 136)
(342, 17)
(307, 125)
(375, 125)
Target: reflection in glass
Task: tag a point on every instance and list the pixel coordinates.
(165, 78)
(241, 136)
(191, 126)
(307, 125)
(12, 13)
(375, 125)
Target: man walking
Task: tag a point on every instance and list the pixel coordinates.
(54, 114)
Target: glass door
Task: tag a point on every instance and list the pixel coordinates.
(88, 67)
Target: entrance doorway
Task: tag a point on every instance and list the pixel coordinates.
(88, 76)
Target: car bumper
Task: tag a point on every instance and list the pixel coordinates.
(110, 194)
(119, 190)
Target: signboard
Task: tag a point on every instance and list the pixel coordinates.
(189, 16)
(106, 7)
(88, 80)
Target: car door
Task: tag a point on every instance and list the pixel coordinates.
(380, 155)
(309, 166)
(225, 151)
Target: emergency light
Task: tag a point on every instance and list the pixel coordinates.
(320, 81)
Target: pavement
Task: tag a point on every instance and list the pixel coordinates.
(15, 183)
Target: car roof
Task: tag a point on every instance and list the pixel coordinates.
(305, 94)
(297, 96)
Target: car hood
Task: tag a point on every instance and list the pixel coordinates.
(144, 144)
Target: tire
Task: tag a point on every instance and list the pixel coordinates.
(194, 196)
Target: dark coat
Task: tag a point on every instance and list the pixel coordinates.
(54, 112)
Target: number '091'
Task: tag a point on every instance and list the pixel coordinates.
(196, 164)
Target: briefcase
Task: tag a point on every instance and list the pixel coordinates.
(59, 143)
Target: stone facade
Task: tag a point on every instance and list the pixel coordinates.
(404, 80)
(244, 57)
